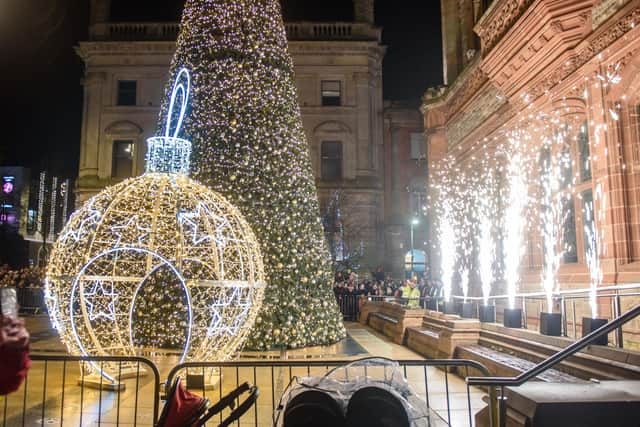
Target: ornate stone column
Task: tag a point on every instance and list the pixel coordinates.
(90, 138)
(609, 172)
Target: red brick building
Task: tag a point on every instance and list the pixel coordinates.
(550, 67)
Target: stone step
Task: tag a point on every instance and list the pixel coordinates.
(582, 365)
(503, 364)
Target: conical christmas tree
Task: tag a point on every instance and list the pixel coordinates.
(250, 146)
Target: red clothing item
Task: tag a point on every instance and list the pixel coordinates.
(184, 407)
(14, 365)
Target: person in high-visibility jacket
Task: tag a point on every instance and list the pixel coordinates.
(411, 293)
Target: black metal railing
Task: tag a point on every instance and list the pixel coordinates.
(31, 300)
(502, 382)
(60, 390)
(350, 306)
(273, 377)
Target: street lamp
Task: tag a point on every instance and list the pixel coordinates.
(414, 222)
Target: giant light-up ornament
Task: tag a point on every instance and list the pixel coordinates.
(157, 263)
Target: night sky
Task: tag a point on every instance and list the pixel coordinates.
(40, 72)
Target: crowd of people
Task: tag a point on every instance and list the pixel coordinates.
(379, 285)
(28, 277)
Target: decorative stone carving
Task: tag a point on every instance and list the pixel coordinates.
(604, 10)
(468, 88)
(474, 115)
(597, 45)
(499, 20)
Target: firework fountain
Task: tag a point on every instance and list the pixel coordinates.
(552, 215)
(486, 257)
(447, 252)
(595, 245)
(485, 238)
(515, 217)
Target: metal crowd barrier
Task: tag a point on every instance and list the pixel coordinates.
(31, 300)
(59, 390)
(349, 306)
(430, 379)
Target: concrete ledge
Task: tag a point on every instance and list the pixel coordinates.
(609, 403)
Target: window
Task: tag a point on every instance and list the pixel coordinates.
(569, 232)
(127, 92)
(331, 92)
(585, 155)
(331, 160)
(122, 159)
(589, 222)
(418, 202)
(418, 147)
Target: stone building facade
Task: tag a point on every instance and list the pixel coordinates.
(338, 69)
(405, 185)
(551, 66)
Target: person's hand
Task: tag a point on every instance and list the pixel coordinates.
(13, 334)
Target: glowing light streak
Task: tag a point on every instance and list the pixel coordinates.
(596, 244)
(464, 283)
(486, 256)
(448, 255)
(552, 217)
(515, 222)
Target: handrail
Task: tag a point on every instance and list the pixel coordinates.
(557, 294)
(556, 358)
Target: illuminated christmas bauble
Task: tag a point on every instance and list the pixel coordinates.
(156, 263)
(159, 262)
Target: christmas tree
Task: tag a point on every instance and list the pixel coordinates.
(250, 146)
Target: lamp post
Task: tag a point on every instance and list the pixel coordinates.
(414, 222)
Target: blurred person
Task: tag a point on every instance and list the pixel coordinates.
(410, 293)
(14, 354)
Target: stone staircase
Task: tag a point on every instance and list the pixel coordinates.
(599, 362)
(510, 352)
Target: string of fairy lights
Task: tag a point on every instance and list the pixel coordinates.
(512, 193)
(250, 146)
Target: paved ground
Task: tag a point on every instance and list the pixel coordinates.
(53, 397)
